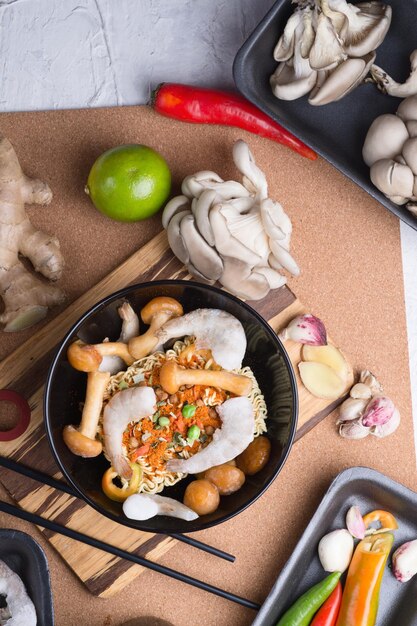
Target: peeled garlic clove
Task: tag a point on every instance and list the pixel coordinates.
(404, 561)
(360, 391)
(378, 412)
(351, 409)
(388, 428)
(321, 380)
(329, 355)
(355, 523)
(367, 378)
(353, 430)
(307, 329)
(335, 551)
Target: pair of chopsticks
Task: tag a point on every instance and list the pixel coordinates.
(40, 477)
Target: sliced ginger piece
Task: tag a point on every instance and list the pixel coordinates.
(321, 380)
(328, 355)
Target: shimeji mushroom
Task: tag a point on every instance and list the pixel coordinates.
(82, 440)
(172, 376)
(390, 150)
(327, 48)
(156, 313)
(231, 232)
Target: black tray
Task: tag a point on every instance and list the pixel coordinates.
(336, 131)
(369, 490)
(25, 557)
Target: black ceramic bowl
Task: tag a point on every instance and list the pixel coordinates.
(65, 389)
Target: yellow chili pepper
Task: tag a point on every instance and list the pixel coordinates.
(119, 494)
(361, 593)
(386, 520)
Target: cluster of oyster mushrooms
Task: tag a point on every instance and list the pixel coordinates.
(390, 150)
(231, 232)
(328, 48)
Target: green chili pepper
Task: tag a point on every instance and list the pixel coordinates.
(302, 611)
(188, 410)
(193, 433)
(163, 421)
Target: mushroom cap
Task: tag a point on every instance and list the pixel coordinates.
(168, 376)
(286, 86)
(407, 110)
(410, 153)
(385, 139)
(162, 304)
(84, 357)
(202, 256)
(393, 179)
(373, 36)
(239, 278)
(412, 127)
(175, 239)
(177, 204)
(80, 444)
(342, 80)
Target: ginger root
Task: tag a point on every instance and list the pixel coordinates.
(26, 298)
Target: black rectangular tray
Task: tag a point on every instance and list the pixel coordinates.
(370, 490)
(336, 131)
(25, 557)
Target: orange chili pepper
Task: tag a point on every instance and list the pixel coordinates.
(119, 494)
(361, 593)
(386, 520)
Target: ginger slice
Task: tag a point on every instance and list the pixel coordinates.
(328, 355)
(321, 380)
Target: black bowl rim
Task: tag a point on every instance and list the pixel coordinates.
(124, 293)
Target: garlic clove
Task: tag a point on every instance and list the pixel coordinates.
(388, 428)
(329, 355)
(404, 561)
(353, 430)
(360, 391)
(367, 378)
(378, 412)
(355, 523)
(351, 409)
(335, 550)
(321, 380)
(307, 329)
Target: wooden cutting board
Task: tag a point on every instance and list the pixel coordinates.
(25, 370)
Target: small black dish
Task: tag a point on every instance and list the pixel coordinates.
(336, 131)
(27, 559)
(265, 354)
(370, 490)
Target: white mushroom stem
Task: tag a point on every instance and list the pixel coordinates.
(388, 85)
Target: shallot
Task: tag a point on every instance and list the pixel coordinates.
(335, 550)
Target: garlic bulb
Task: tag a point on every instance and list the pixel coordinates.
(335, 551)
(404, 561)
(328, 48)
(366, 411)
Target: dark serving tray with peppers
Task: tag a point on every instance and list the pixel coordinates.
(369, 490)
(336, 131)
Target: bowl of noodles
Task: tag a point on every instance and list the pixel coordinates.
(157, 450)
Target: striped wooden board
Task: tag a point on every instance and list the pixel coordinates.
(25, 370)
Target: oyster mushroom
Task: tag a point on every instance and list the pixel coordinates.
(342, 80)
(385, 139)
(175, 239)
(407, 110)
(388, 85)
(284, 49)
(393, 179)
(328, 50)
(193, 186)
(202, 256)
(174, 206)
(366, 25)
(240, 278)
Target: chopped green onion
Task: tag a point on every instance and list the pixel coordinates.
(188, 410)
(123, 385)
(138, 378)
(155, 416)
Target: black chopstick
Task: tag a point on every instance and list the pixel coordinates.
(15, 511)
(41, 477)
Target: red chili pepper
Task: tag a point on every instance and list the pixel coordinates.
(327, 615)
(210, 106)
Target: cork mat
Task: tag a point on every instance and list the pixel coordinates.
(348, 248)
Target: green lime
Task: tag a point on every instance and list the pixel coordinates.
(129, 183)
